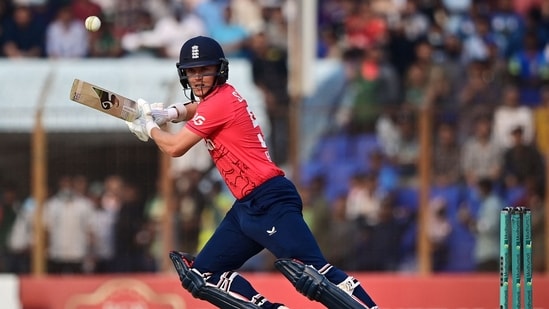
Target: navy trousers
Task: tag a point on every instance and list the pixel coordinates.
(270, 217)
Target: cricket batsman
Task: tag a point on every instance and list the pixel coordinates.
(267, 212)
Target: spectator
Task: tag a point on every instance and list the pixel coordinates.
(446, 157)
(364, 199)
(21, 239)
(132, 236)
(485, 226)
(439, 230)
(317, 210)
(104, 43)
(379, 251)
(480, 158)
(364, 28)
(340, 252)
(103, 242)
(66, 36)
(270, 75)
(522, 162)
(479, 94)
(528, 68)
(406, 155)
(508, 27)
(67, 223)
(510, 115)
(218, 205)
(376, 86)
(477, 45)
(191, 202)
(275, 25)
(165, 37)
(23, 35)
(233, 37)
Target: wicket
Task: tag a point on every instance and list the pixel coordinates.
(516, 255)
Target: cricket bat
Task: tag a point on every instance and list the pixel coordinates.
(104, 100)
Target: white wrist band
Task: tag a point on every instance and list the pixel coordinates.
(181, 112)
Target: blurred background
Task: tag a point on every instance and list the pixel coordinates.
(406, 124)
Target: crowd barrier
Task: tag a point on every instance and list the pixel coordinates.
(163, 291)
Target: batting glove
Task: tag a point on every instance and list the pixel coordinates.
(174, 113)
(146, 114)
(143, 125)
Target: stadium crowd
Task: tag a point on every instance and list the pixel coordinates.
(481, 68)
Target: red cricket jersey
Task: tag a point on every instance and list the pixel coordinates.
(234, 139)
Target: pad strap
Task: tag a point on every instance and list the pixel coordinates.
(315, 286)
(194, 282)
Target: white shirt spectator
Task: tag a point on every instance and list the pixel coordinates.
(66, 37)
(67, 220)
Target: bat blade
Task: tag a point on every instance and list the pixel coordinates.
(104, 100)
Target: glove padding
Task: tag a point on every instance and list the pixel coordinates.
(143, 125)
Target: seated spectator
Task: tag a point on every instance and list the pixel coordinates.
(480, 158)
(66, 36)
(166, 36)
(23, 35)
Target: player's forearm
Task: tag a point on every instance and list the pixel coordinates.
(175, 145)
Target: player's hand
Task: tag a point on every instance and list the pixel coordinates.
(146, 115)
(137, 127)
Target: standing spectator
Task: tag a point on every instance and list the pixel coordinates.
(103, 243)
(131, 235)
(218, 205)
(438, 231)
(406, 155)
(376, 86)
(380, 251)
(510, 115)
(270, 75)
(67, 223)
(275, 24)
(21, 239)
(233, 37)
(66, 36)
(477, 45)
(339, 252)
(480, 157)
(23, 35)
(9, 207)
(522, 162)
(317, 210)
(485, 226)
(190, 206)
